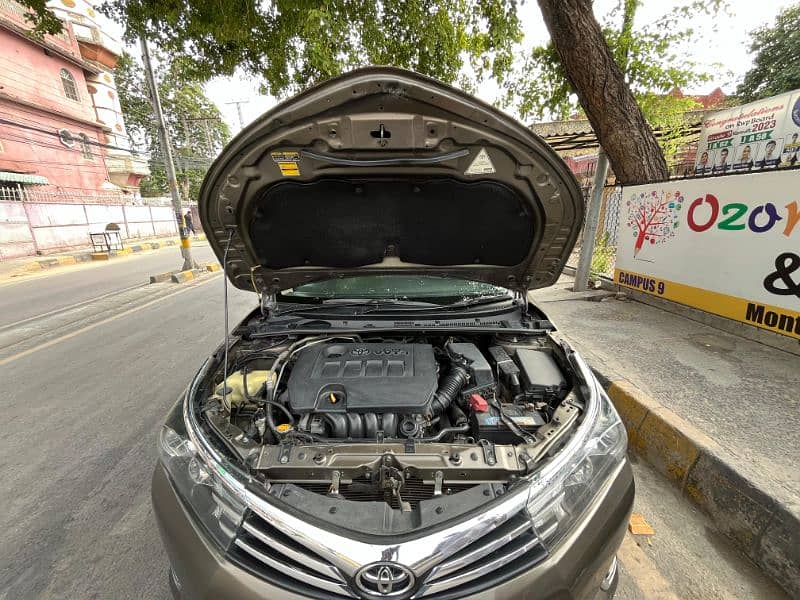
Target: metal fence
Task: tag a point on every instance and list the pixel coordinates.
(20, 193)
(605, 242)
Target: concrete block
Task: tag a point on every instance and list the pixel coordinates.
(213, 267)
(778, 550)
(182, 276)
(160, 277)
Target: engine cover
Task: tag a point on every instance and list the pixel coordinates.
(361, 378)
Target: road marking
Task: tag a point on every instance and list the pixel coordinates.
(643, 571)
(83, 330)
(71, 306)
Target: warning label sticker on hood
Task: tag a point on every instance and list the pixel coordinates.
(481, 164)
(287, 162)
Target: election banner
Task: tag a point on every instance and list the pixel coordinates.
(759, 136)
(727, 245)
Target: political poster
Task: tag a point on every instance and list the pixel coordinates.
(727, 245)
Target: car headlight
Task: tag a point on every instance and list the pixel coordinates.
(214, 505)
(563, 490)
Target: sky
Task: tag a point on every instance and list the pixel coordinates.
(721, 46)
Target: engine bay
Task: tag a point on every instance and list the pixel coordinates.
(392, 419)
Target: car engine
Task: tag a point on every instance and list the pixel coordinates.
(396, 420)
(327, 389)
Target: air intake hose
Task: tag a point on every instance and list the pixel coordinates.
(449, 387)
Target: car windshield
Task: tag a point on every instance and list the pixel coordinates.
(394, 287)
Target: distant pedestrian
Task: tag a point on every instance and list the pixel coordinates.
(189, 223)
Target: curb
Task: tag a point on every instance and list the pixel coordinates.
(184, 276)
(758, 521)
(160, 277)
(59, 261)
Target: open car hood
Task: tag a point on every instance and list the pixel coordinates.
(384, 171)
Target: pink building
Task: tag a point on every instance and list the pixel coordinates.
(65, 170)
(60, 122)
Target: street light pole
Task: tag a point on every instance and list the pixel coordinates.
(166, 149)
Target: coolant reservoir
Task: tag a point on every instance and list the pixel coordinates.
(235, 386)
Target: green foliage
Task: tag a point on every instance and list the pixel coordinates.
(649, 56)
(195, 124)
(43, 19)
(290, 44)
(602, 257)
(776, 68)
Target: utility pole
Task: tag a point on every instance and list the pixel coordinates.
(238, 104)
(169, 166)
(590, 226)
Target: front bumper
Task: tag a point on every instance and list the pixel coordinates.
(579, 568)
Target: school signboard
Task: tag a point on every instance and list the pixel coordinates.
(727, 245)
(758, 136)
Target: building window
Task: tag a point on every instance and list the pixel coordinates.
(70, 87)
(86, 149)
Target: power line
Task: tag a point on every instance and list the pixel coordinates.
(56, 134)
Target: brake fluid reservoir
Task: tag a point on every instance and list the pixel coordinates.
(256, 380)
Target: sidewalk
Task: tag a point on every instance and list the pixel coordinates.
(25, 265)
(716, 398)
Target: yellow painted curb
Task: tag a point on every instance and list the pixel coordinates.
(123, 252)
(34, 266)
(213, 267)
(182, 276)
(67, 260)
(100, 256)
(652, 433)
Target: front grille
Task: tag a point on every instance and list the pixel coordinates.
(362, 490)
(277, 558)
(504, 552)
(509, 549)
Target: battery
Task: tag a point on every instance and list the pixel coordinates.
(489, 426)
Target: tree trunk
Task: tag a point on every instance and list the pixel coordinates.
(610, 106)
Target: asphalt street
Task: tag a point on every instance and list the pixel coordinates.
(83, 400)
(66, 286)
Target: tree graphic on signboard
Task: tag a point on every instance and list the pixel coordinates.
(653, 217)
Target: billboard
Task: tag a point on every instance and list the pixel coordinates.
(758, 136)
(727, 245)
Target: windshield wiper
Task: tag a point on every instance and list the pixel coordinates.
(471, 301)
(368, 305)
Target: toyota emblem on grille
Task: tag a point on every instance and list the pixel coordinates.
(386, 579)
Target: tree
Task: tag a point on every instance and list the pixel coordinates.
(776, 67)
(195, 125)
(291, 44)
(645, 59)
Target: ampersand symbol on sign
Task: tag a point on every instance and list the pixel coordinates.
(786, 264)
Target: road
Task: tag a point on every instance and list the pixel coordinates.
(84, 392)
(67, 286)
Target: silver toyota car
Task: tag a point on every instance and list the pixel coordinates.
(394, 419)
